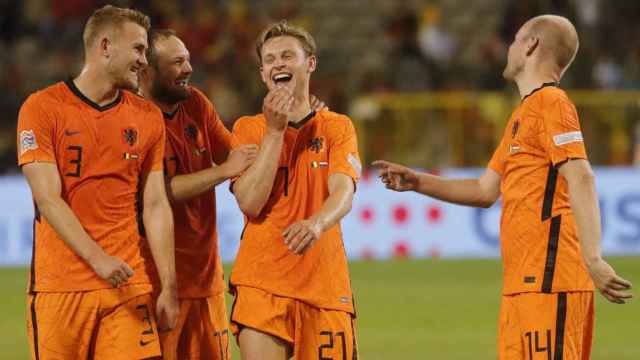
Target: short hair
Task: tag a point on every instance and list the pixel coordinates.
(558, 35)
(284, 29)
(154, 36)
(110, 15)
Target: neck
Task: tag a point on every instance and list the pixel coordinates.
(527, 82)
(301, 107)
(96, 86)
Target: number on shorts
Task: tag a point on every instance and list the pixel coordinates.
(330, 344)
(145, 310)
(222, 343)
(534, 343)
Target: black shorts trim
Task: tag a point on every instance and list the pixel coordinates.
(561, 317)
(34, 325)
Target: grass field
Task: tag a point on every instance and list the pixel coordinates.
(409, 309)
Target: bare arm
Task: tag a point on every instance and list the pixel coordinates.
(301, 235)
(44, 180)
(481, 192)
(158, 223)
(184, 187)
(586, 210)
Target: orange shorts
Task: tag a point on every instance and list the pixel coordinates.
(313, 333)
(546, 326)
(98, 324)
(202, 331)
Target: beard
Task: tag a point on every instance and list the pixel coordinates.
(169, 94)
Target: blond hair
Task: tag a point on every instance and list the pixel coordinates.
(110, 15)
(284, 29)
(558, 36)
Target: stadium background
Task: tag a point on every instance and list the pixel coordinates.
(421, 79)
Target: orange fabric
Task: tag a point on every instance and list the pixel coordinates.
(313, 333)
(101, 156)
(202, 331)
(540, 246)
(99, 324)
(196, 139)
(539, 326)
(324, 145)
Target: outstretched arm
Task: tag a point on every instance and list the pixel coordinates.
(481, 192)
(301, 235)
(586, 210)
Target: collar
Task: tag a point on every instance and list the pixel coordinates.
(301, 123)
(74, 89)
(553, 83)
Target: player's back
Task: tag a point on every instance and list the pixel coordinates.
(101, 153)
(322, 144)
(540, 247)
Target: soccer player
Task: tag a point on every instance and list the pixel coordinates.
(290, 278)
(91, 152)
(550, 228)
(196, 139)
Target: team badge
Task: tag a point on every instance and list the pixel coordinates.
(514, 148)
(27, 141)
(191, 132)
(316, 144)
(514, 129)
(355, 163)
(130, 136)
(567, 138)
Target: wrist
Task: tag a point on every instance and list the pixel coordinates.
(94, 255)
(591, 260)
(273, 132)
(224, 171)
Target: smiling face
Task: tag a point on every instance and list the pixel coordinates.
(171, 71)
(126, 50)
(285, 63)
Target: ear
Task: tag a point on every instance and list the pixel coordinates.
(263, 76)
(105, 45)
(312, 62)
(532, 45)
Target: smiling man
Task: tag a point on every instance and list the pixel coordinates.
(89, 148)
(290, 278)
(197, 158)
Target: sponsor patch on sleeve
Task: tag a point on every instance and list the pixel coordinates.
(566, 138)
(355, 163)
(27, 141)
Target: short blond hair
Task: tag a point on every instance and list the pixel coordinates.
(284, 29)
(110, 15)
(558, 35)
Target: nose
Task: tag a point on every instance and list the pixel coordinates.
(143, 59)
(187, 67)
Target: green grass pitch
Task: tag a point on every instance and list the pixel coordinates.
(408, 309)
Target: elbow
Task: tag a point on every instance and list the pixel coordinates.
(250, 208)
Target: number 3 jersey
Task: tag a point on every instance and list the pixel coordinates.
(315, 148)
(102, 153)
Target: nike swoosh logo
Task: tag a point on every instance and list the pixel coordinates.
(71, 132)
(145, 343)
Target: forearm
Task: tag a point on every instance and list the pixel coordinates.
(586, 211)
(185, 187)
(458, 191)
(335, 207)
(158, 222)
(252, 189)
(60, 216)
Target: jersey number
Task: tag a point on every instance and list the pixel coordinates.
(77, 161)
(534, 339)
(328, 346)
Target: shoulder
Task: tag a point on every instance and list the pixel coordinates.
(198, 103)
(552, 95)
(51, 95)
(333, 122)
(245, 123)
(139, 103)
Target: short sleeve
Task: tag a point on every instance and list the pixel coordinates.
(219, 136)
(561, 136)
(343, 150)
(245, 131)
(35, 134)
(497, 160)
(155, 157)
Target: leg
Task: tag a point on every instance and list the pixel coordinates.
(324, 334)
(170, 340)
(256, 345)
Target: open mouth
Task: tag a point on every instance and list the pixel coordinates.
(282, 78)
(182, 82)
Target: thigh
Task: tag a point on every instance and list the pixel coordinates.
(61, 325)
(170, 340)
(324, 334)
(128, 331)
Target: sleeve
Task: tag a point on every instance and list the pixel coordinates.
(35, 134)
(219, 136)
(155, 155)
(497, 160)
(343, 151)
(561, 136)
(244, 132)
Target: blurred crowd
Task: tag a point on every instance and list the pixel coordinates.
(365, 46)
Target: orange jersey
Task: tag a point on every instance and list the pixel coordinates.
(323, 144)
(540, 247)
(196, 139)
(101, 154)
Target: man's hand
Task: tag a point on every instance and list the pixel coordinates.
(276, 108)
(167, 308)
(317, 104)
(301, 235)
(240, 159)
(112, 269)
(611, 286)
(397, 177)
